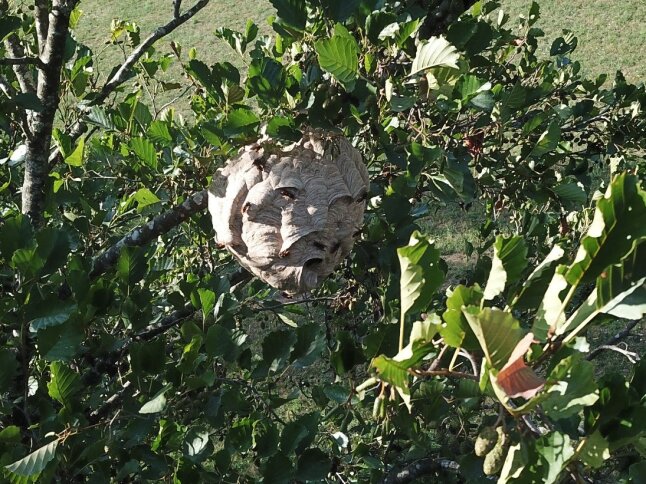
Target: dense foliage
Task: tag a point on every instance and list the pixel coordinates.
(134, 349)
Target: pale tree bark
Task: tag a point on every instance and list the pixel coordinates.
(52, 28)
(48, 87)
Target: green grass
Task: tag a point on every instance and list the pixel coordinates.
(612, 35)
(94, 26)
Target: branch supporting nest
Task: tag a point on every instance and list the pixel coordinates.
(144, 234)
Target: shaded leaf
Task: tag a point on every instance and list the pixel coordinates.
(35, 462)
(64, 383)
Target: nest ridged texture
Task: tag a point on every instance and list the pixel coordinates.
(290, 214)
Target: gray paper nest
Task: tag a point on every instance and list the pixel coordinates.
(290, 214)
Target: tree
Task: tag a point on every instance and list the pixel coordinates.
(134, 349)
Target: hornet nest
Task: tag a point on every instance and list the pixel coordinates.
(290, 214)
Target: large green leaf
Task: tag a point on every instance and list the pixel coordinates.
(620, 292)
(498, 333)
(509, 261)
(53, 313)
(457, 332)
(548, 141)
(64, 383)
(155, 404)
(145, 151)
(436, 52)
(291, 12)
(618, 225)
(421, 274)
(339, 55)
(35, 462)
(531, 293)
(570, 387)
(420, 345)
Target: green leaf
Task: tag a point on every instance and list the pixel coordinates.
(299, 433)
(266, 78)
(144, 197)
(35, 462)
(291, 12)
(421, 274)
(64, 383)
(240, 121)
(498, 333)
(54, 313)
(509, 262)
(8, 367)
(145, 151)
(8, 24)
(457, 332)
(340, 10)
(618, 225)
(76, 157)
(61, 342)
(548, 141)
(570, 387)
(436, 52)
(532, 291)
(313, 465)
(620, 292)
(339, 55)
(131, 265)
(156, 404)
(594, 451)
(276, 348)
(571, 192)
(159, 132)
(220, 341)
(207, 301)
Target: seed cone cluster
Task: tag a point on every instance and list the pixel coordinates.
(290, 214)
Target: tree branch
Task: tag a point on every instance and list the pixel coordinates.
(421, 468)
(21, 61)
(48, 91)
(121, 75)
(144, 234)
(445, 372)
(616, 338)
(42, 23)
(177, 4)
(15, 50)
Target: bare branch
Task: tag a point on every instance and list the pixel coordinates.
(21, 61)
(6, 88)
(15, 50)
(445, 372)
(177, 4)
(144, 234)
(42, 23)
(121, 75)
(173, 319)
(616, 338)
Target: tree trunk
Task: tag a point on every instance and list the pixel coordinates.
(49, 80)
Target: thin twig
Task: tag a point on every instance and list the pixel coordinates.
(122, 73)
(616, 338)
(444, 372)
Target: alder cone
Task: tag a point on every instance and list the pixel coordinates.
(290, 214)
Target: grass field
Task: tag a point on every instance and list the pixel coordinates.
(612, 35)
